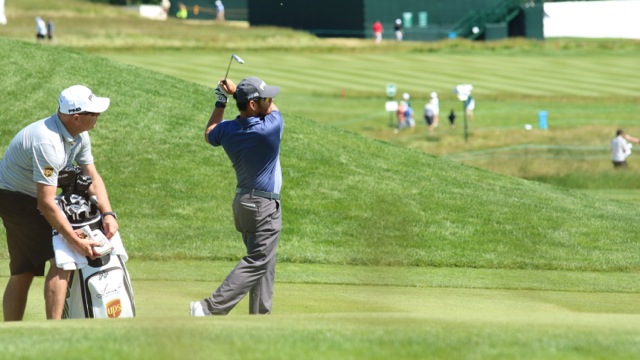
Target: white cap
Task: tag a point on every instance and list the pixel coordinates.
(78, 98)
(434, 94)
(405, 96)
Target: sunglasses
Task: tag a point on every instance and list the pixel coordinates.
(264, 99)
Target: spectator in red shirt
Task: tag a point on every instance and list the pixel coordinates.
(377, 31)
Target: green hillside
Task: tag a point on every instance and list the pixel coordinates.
(347, 199)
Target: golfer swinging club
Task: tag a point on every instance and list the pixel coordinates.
(252, 143)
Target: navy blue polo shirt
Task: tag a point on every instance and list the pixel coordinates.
(253, 146)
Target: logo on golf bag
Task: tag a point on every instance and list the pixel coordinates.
(114, 308)
(102, 275)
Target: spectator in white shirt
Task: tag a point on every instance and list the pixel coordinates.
(621, 148)
(41, 28)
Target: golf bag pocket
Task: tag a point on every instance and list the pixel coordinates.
(101, 289)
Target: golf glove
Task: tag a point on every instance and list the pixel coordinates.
(222, 96)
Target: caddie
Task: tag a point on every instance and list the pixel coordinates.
(28, 186)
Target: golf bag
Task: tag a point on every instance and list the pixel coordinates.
(102, 288)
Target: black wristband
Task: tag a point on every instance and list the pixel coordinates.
(110, 213)
(220, 104)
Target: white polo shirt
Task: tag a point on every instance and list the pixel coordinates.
(620, 149)
(38, 152)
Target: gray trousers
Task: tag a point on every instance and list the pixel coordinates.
(259, 221)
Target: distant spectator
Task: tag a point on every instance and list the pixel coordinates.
(41, 28)
(408, 117)
(400, 113)
(621, 148)
(436, 108)
(219, 10)
(50, 28)
(182, 13)
(398, 29)
(452, 118)
(377, 31)
(429, 114)
(408, 113)
(406, 97)
(166, 6)
(469, 106)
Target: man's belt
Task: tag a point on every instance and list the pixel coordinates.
(262, 194)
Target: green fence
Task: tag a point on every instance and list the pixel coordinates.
(422, 20)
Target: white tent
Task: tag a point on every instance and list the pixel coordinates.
(592, 19)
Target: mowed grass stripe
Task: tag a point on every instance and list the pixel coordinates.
(169, 65)
(303, 74)
(490, 77)
(523, 77)
(358, 76)
(323, 81)
(587, 78)
(413, 73)
(623, 67)
(357, 73)
(423, 74)
(591, 75)
(549, 75)
(418, 86)
(370, 113)
(501, 75)
(616, 69)
(300, 81)
(198, 67)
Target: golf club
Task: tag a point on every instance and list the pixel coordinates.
(237, 59)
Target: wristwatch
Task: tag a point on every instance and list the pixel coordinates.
(112, 213)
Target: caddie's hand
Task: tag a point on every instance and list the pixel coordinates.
(83, 245)
(110, 225)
